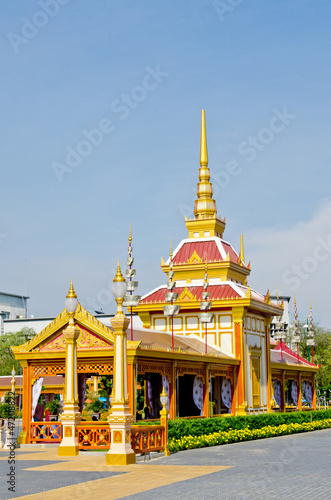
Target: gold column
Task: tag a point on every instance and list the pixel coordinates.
(120, 419)
(240, 342)
(164, 421)
(71, 415)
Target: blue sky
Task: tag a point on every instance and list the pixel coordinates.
(142, 71)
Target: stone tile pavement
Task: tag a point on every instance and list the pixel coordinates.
(287, 467)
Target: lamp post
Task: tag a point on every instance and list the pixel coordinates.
(10, 429)
(164, 420)
(131, 300)
(310, 341)
(171, 296)
(205, 305)
(120, 419)
(71, 415)
(280, 335)
(296, 337)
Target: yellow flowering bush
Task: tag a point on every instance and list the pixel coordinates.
(233, 436)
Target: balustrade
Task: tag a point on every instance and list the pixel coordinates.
(97, 436)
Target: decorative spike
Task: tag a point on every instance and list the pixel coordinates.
(162, 262)
(171, 250)
(205, 205)
(277, 296)
(267, 297)
(130, 235)
(242, 256)
(295, 300)
(203, 144)
(119, 275)
(71, 293)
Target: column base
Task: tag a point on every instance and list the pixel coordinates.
(68, 451)
(120, 458)
(241, 409)
(22, 438)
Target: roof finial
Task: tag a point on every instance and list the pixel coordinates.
(204, 206)
(130, 235)
(203, 144)
(171, 254)
(242, 256)
(119, 275)
(71, 293)
(295, 300)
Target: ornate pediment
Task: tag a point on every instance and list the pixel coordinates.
(95, 335)
(186, 296)
(87, 341)
(194, 259)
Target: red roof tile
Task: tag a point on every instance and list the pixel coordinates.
(205, 249)
(216, 292)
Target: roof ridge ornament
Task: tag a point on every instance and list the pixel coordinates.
(205, 205)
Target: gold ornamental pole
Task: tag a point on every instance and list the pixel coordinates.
(71, 415)
(120, 419)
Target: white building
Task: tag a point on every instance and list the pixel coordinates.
(12, 307)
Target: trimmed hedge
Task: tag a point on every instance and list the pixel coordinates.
(182, 427)
(235, 435)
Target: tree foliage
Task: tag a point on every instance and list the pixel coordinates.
(7, 359)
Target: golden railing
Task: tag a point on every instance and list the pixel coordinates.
(97, 435)
(46, 432)
(147, 438)
(93, 436)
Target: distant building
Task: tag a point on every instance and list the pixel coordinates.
(12, 307)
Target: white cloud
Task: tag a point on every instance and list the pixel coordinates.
(296, 260)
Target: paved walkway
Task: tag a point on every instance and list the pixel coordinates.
(287, 467)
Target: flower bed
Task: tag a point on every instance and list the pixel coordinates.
(181, 427)
(236, 435)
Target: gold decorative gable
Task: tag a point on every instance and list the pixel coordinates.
(83, 319)
(186, 295)
(86, 341)
(194, 259)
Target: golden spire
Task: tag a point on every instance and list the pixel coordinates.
(71, 293)
(130, 235)
(295, 300)
(203, 144)
(119, 275)
(242, 256)
(171, 254)
(204, 206)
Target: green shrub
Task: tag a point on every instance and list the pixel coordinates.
(54, 407)
(235, 435)
(182, 427)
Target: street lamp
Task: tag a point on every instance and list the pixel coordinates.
(131, 300)
(296, 337)
(280, 335)
(120, 419)
(171, 296)
(71, 415)
(205, 305)
(164, 420)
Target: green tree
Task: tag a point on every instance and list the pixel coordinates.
(322, 356)
(7, 359)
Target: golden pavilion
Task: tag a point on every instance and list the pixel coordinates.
(205, 335)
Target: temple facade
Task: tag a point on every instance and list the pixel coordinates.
(205, 335)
